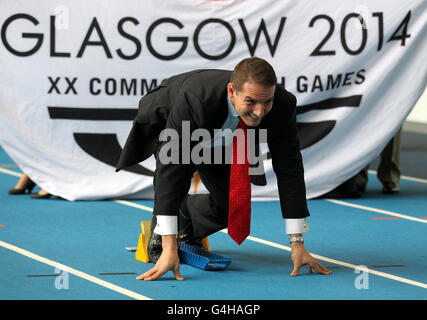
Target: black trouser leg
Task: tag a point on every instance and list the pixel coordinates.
(209, 212)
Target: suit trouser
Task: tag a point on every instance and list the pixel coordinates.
(208, 212)
(388, 169)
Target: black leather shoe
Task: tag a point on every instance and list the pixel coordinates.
(154, 248)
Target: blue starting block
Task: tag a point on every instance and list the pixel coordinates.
(202, 259)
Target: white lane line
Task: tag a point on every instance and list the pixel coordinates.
(279, 246)
(77, 273)
(389, 213)
(404, 177)
(414, 179)
(318, 257)
(71, 270)
(10, 172)
(345, 264)
(135, 205)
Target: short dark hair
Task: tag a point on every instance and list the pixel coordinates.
(253, 69)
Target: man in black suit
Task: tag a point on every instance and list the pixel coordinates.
(213, 100)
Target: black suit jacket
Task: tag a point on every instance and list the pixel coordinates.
(200, 97)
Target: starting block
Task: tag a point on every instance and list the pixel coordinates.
(202, 259)
(141, 253)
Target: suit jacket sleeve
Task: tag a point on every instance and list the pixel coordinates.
(173, 180)
(151, 118)
(286, 156)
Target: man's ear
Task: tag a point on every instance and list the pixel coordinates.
(230, 90)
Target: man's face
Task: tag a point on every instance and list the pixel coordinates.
(253, 102)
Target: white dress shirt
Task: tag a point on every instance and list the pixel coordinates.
(168, 224)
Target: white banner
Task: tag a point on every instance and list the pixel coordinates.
(72, 73)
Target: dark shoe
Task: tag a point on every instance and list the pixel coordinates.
(389, 188)
(30, 186)
(40, 196)
(154, 247)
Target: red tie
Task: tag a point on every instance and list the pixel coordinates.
(239, 215)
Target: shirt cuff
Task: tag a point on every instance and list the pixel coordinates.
(166, 225)
(296, 226)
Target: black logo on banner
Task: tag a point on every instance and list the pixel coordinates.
(105, 146)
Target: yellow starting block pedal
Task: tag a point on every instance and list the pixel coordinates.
(205, 243)
(141, 253)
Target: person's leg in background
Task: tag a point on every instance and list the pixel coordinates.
(24, 184)
(388, 170)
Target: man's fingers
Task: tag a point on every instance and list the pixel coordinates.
(321, 269)
(154, 276)
(296, 270)
(155, 273)
(147, 274)
(325, 271)
(177, 274)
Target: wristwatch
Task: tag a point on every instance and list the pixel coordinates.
(296, 239)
